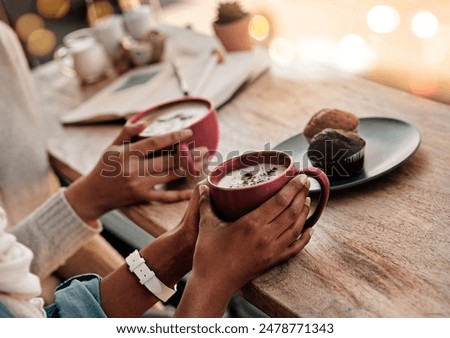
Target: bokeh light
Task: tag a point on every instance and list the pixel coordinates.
(353, 54)
(424, 25)
(435, 51)
(99, 10)
(383, 19)
(422, 86)
(127, 5)
(259, 27)
(53, 9)
(41, 42)
(317, 48)
(282, 51)
(27, 24)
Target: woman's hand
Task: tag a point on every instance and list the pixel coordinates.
(169, 256)
(125, 175)
(189, 224)
(228, 255)
(186, 232)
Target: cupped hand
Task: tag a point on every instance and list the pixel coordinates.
(129, 173)
(228, 255)
(189, 224)
(231, 254)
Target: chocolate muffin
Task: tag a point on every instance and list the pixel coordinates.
(339, 153)
(330, 118)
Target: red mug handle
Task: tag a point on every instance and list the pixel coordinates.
(187, 161)
(324, 183)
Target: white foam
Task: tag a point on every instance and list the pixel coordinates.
(251, 175)
(174, 118)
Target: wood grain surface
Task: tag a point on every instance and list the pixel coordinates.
(381, 249)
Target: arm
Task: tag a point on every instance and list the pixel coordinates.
(126, 175)
(66, 221)
(53, 232)
(228, 255)
(169, 256)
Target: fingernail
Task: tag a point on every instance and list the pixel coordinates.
(203, 151)
(141, 126)
(308, 201)
(308, 183)
(203, 188)
(311, 232)
(303, 178)
(186, 133)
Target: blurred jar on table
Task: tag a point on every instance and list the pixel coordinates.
(107, 25)
(126, 30)
(143, 43)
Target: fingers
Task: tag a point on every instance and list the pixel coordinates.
(165, 196)
(293, 232)
(204, 205)
(270, 209)
(160, 142)
(197, 192)
(290, 215)
(297, 246)
(129, 131)
(200, 156)
(161, 164)
(206, 213)
(300, 243)
(193, 207)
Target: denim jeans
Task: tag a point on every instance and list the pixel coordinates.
(78, 297)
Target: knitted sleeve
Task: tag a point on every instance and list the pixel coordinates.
(53, 232)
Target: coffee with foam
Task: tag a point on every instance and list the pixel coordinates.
(250, 176)
(174, 118)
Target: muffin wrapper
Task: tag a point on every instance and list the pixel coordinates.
(343, 168)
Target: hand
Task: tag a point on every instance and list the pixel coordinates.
(186, 231)
(255, 242)
(126, 175)
(228, 255)
(169, 256)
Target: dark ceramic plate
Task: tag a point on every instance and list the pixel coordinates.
(389, 144)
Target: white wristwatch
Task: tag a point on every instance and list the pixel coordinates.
(148, 278)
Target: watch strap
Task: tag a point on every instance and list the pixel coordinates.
(147, 277)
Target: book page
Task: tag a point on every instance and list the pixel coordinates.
(144, 87)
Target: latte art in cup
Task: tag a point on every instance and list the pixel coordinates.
(242, 183)
(250, 176)
(194, 113)
(174, 118)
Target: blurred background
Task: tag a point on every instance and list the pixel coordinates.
(400, 43)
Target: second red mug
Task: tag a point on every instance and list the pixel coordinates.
(195, 113)
(233, 201)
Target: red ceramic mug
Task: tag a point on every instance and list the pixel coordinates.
(195, 113)
(232, 202)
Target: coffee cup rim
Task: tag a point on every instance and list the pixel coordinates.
(254, 153)
(153, 109)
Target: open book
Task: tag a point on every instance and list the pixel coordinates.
(143, 87)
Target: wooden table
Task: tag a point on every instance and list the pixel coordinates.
(381, 249)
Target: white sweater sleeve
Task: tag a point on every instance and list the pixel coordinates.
(19, 288)
(53, 232)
